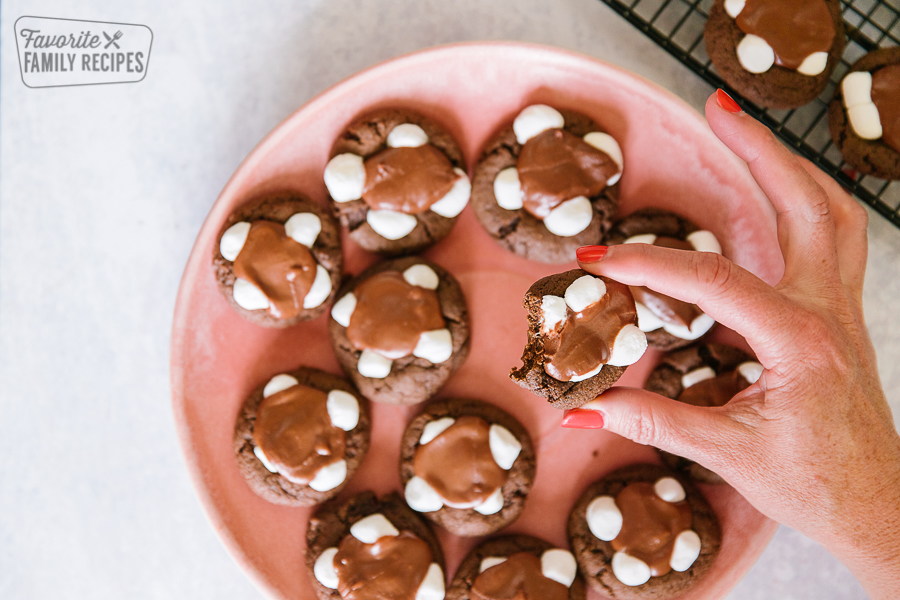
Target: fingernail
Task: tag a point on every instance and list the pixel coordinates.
(589, 254)
(582, 419)
(727, 102)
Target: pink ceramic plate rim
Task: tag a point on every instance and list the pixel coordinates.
(198, 261)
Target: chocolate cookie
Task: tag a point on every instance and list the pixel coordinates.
(291, 409)
(792, 30)
(278, 260)
(668, 323)
(874, 156)
(529, 179)
(661, 523)
(341, 550)
(466, 452)
(547, 574)
(713, 373)
(400, 329)
(583, 330)
(397, 181)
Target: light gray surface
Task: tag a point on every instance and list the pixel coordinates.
(102, 190)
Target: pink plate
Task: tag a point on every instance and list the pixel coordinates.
(672, 160)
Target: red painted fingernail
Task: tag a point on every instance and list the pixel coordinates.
(582, 419)
(589, 254)
(727, 102)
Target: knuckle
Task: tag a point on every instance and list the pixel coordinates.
(714, 273)
(640, 425)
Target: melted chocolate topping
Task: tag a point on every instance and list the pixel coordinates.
(407, 180)
(793, 28)
(459, 464)
(295, 433)
(585, 339)
(668, 310)
(281, 267)
(886, 97)
(716, 391)
(519, 577)
(393, 567)
(555, 166)
(391, 314)
(650, 526)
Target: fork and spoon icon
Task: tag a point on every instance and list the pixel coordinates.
(111, 41)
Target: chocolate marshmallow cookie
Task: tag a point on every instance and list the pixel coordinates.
(300, 437)
(548, 184)
(370, 549)
(582, 333)
(398, 181)
(702, 375)
(467, 466)
(864, 116)
(642, 532)
(776, 53)
(278, 260)
(668, 323)
(517, 567)
(400, 329)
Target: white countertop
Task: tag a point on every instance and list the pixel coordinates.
(102, 190)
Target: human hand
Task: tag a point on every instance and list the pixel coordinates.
(812, 444)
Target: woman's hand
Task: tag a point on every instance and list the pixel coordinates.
(812, 444)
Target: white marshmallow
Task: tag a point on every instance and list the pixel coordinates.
(604, 518)
(629, 347)
(320, 289)
(345, 177)
(407, 135)
(607, 144)
(570, 218)
(685, 551)
(373, 365)
(699, 326)
(248, 296)
(343, 409)
(866, 121)
(696, 376)
(433, 429)
(303, 228)
(264, 460)
(669, 489)
(369, 529)
(456, 199)
(751, 371)
(553, 309)
(422, 276)
(507, 189)
(856, 88)
(432, 587)
(490, 561)
(233, 240)
(813, 64)
(343, 309)
(588, 375)
(644, 238)
(390, 224)
(534, 119)
(492, 504)
(704, 241)
(279, 383)
(504, 446)
(434, 346)
(630, 570)
(421, 497)
(647, 320)
(324, 569)
(559, 565)
(734, 7)
(329, 476)
(755, 54)
(585, 291)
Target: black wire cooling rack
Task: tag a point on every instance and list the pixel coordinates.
(677, 26)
